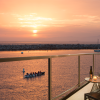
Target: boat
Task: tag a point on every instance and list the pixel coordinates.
(21, 52)
(33, 74)
(98, 50)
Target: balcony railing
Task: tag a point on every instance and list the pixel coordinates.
(50, 67)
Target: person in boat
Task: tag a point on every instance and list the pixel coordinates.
(31, 73)
(23, 70)
(35, 74)
(27, 74)
(40, 72)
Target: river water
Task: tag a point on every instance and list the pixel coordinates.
(13, 86)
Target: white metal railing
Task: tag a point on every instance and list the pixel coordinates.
(50, 66)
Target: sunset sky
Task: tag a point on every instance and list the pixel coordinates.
(50, 20)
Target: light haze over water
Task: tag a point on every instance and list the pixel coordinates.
(46, 42)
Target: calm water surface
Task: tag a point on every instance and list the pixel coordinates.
(64, 74)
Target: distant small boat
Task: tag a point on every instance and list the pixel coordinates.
(98, 50)
(21, 52)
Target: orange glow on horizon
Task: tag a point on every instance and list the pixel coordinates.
(35, 35)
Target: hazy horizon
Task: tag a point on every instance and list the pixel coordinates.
(47, 42)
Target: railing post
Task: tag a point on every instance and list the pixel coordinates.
(79, 71)
(93, 64)
(49, 78)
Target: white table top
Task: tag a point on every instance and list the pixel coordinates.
(92, 80)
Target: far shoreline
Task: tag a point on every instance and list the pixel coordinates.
(48, 47)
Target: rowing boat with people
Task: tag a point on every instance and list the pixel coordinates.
(34, 74)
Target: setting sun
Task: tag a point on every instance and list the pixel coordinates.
(34, 31)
